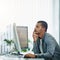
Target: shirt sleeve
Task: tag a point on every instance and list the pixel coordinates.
(36, 48)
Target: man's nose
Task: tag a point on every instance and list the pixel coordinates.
(40, 27)
(35, 30)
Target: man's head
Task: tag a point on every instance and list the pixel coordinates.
(41, 27)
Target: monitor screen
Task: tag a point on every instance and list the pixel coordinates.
(20, 37)
(22, 32)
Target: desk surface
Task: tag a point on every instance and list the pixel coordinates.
(17, 58)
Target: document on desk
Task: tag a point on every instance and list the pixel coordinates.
(5, 57)
(17, 58)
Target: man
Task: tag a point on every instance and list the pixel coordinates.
(45, 46)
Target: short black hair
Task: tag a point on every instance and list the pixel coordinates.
(44, 24)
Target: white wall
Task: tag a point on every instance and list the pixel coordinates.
(27, 13)
(56, 19)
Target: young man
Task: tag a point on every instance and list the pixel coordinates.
(45, 46)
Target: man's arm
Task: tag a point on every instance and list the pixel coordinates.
(35, 42)
(36, 49)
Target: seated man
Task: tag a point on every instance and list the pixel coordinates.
(45, 46)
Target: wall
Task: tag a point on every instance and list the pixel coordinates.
(59, 22)
(27, 13)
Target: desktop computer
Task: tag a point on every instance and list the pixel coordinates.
(20, 37)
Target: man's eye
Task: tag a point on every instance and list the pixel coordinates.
(37, 26)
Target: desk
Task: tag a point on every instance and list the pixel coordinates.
(17, 58)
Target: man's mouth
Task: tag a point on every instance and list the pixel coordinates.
(37, 33)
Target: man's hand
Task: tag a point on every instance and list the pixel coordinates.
(35, 36)
(29, 55)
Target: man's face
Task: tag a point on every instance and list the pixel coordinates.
(39, 28)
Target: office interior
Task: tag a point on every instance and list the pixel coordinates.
(26, 13)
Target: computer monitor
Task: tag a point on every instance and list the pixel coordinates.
(20, 37)
(22, 32)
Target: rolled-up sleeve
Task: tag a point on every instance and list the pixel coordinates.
(36, 48)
